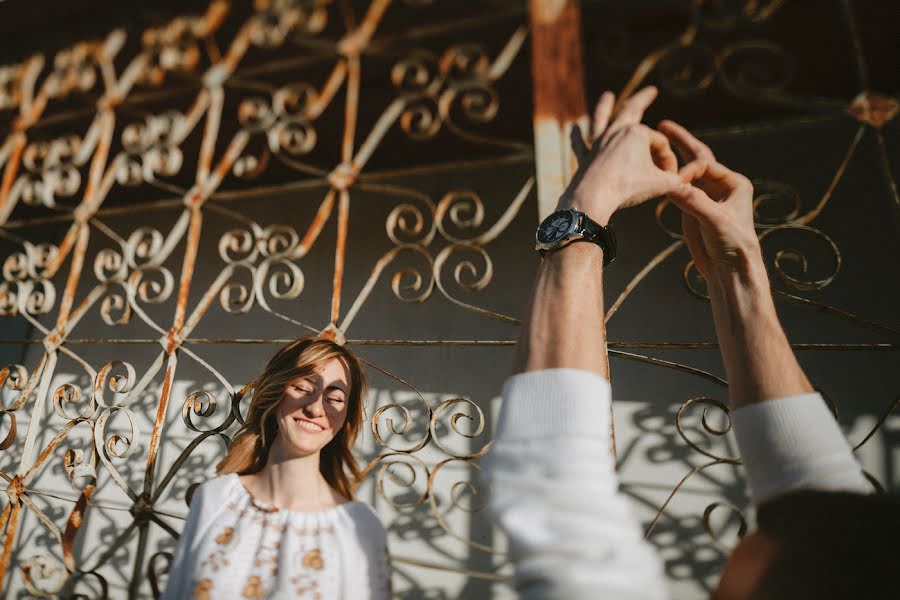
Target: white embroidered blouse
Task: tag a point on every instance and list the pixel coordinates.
(235, 547)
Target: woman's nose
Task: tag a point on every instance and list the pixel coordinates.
(316, 406)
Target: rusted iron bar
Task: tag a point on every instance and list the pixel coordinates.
(559, 96)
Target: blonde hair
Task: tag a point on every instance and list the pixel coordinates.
(249, 450)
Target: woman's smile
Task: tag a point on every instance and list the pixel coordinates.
(308, 425)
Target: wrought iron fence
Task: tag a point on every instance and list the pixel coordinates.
(246, 175)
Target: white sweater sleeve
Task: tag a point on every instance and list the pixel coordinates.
(555, 493)
(794, 443)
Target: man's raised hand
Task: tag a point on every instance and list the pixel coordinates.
(717, 209)
(627, 163)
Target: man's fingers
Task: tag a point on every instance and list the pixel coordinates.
(662, 153)
(578, 145)
(694, 202)
(716, 171)
(705, 173)
(694, 170)
(717, 180)
(662, 183)
(631, 111)
(602, 113)
(688, 146)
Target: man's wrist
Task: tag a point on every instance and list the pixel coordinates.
(742, 295)
(746, 274)
(579, 251)
(598, 205)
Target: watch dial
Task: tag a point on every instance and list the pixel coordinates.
(555, 227)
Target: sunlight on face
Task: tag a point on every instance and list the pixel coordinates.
(313, 409)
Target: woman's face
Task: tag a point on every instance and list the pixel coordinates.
(313, 409)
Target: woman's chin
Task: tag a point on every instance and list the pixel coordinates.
(305, 445)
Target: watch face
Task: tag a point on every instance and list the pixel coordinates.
(555, 227)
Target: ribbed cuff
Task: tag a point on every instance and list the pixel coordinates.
(553, 402)
(792, 443)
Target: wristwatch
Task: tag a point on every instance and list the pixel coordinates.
(568, 226)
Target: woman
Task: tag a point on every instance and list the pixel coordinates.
(280, 520)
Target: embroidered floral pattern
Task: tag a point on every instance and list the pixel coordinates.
(252, 553)
(224, 538)
(201, 590)
(218, 558)
(313, 560)
(306, 587)
(254, 588)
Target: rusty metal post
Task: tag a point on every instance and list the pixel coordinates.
(559, 100)
(557, 69)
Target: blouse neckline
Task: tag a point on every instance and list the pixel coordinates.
(269, 508)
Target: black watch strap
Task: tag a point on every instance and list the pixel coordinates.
(604, 237)
(571, 225)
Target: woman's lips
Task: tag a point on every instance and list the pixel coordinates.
(308, 425)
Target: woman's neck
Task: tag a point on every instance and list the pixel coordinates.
(291, 483)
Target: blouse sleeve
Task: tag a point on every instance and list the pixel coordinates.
(555, 493)
(379, 559)
(381, 573)
(178, 586)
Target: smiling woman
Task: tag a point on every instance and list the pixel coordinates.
(280, 520)
(277, 391)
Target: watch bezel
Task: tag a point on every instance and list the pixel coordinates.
(581, 228)
(571, 231)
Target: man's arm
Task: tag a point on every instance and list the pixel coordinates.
(628, 164)
(787, 437)
(554, 488)
(564, 324)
